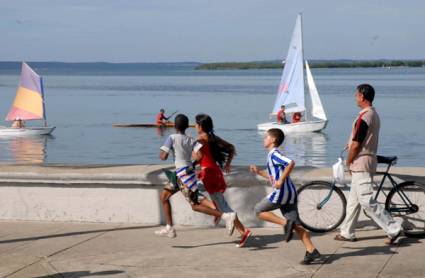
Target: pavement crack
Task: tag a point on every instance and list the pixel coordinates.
(326, 261)
(386, 263)
(76, 244)
(119, 265)
(49, 267)
(41, 259)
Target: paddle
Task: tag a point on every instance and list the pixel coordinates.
(172, 114)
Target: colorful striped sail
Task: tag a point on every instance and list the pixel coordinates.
(28, 104)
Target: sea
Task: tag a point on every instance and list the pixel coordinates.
(83, 104)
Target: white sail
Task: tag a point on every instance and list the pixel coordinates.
(291, 91)
(291, 87)
(317, 110)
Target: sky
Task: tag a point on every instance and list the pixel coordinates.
(208, 30)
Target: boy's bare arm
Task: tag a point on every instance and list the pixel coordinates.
(259, 172)
(285, 174)
(163, 155)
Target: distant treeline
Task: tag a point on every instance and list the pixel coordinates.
(314, 64)
(97, 68)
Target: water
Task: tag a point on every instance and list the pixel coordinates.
(84, 107)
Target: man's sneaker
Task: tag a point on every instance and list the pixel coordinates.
(166, 232)
(288, 230)
(229, 217)
(392, 239)
(310, 257)
(245, 237)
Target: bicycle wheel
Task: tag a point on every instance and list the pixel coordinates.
(407, 201)
(321, 206)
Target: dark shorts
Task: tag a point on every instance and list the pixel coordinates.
(289, 211)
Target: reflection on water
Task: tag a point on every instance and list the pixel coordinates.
(306, 148)
(24, 150)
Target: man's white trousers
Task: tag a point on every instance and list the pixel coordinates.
(361, 195)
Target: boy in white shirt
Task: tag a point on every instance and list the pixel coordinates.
(181, 146)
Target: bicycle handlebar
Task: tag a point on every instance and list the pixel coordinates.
(343, 151)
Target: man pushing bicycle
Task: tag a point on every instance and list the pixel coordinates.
(362, 161)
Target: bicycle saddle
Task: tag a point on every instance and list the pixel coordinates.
(387, 159)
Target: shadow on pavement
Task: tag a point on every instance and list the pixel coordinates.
(260, 242)
(204, 245)
(369, 250)
(76, 274)
(254, 243)
(73, 234)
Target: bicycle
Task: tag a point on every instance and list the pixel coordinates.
(322, 204)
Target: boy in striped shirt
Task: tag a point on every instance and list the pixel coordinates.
(284, 195)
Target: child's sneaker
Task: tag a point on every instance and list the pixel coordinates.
(229, 217)
(167, 231)
(310, 257)
(245, 237)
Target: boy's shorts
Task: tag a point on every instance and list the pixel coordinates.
(187, 177)
(176, 184)
(289, 211)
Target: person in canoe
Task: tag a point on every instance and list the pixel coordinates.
(161, 119)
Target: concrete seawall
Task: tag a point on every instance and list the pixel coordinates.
(130, 194)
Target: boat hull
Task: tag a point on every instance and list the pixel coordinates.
(309, 126)
(166, 125)
(27, 131)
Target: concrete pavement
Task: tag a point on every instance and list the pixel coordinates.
(37, 249)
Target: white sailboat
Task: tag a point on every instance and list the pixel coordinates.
(291, 90)
(28, 105)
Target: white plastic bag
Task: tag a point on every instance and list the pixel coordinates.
(338, 171)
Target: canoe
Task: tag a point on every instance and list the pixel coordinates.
(167, 125)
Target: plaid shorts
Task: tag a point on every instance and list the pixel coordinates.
(182, 181)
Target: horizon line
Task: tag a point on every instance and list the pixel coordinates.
(211, 62)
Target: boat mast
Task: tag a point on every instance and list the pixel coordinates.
(302, 59)
(44, 105)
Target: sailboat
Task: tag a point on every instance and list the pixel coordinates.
(28, 105)
(291, 90)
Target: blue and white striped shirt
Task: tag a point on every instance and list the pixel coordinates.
(276, 164)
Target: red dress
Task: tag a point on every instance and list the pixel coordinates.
(211, 174)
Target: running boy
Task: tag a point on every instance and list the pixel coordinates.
(181, 147)
(214, 155)
(284, 195)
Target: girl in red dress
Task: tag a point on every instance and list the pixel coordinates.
(216, 154)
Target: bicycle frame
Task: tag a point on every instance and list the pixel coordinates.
(409, 205)
(326, 199)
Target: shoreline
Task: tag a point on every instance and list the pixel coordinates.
(329, 64)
